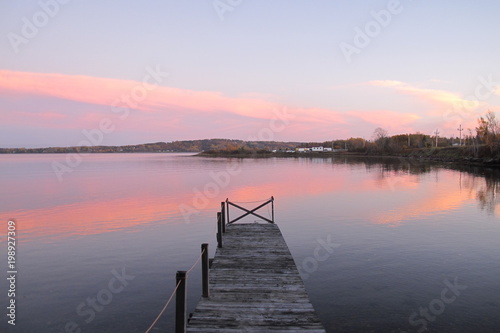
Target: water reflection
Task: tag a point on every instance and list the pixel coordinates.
(107, 197)
(403, 228)
(464, 184)
(486, 183)
(488, 196)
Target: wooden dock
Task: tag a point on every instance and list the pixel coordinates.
(254, 286)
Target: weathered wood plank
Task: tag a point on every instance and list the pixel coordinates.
(255, 286)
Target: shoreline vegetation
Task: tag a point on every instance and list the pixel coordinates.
(480, 155)
(473, 154)
(187, 146)
(480, 148)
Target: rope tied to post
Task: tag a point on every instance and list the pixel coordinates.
(174, 292)
(164, 308)
(196, 263)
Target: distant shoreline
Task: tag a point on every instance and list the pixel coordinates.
(100, 153)
(456, 155)
(465, 155)
(186, 146)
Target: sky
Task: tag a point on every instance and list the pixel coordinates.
(74, 72)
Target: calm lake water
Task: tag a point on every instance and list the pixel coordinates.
(412, 246)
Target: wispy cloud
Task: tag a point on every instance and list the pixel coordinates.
(438, 99)
(440, 108)
(173, 108)
(105, 91)
(395, 122)
(77, 102)
(497, 90)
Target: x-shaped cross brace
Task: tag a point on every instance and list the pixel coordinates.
(248, 212)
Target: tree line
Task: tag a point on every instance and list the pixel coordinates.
(162, 147)
(486, 134)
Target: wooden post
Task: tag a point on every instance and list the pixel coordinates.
(227, 208)
(204, 269)
(223, 215)
(219, 230)
(272, 210)
(180, 302)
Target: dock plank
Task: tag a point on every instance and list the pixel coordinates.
(255, 286)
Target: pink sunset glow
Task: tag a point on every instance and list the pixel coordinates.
(157, 108)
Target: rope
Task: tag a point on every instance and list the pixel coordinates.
(215, 228)
(173, 293)
(251, 201)
(197, 261)
(268, 215)
(165, 307)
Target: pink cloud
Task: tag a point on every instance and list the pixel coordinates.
(443, 109)
(106, 91)
(391, 120)
(52, 119)
(439, 99)
(189, 112)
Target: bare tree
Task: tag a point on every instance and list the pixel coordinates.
(493, 124)
(474, 146)
(381, 138)
(488, 128)
(379, 133)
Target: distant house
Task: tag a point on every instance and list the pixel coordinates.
(317, 149)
